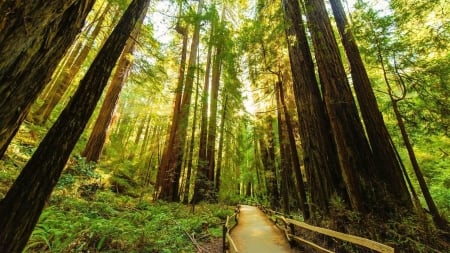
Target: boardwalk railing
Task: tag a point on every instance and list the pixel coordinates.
(231, 222)
(288, 225)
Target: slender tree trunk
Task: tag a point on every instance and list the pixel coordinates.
(388, 166)
(190, 155)
(24, 202)
(170, 168)
(34, 35)
(168, 151)
(202, 184)
(212, 128)
(285, 162)
(268, 160)
(94, 146)
(220, 149)
(320, 156)
(294, 155)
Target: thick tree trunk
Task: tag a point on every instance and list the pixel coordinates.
(67, 76)
(24, 202)
(388, 166)
(355, 156)
(34, 35)
(320, 157)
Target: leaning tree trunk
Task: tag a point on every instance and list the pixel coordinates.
(355, 156)
(67, 76)
(389, 168)
(24, 202)
(34, 35)
(94, 146)
(320, 159)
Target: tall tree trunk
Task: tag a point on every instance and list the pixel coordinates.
(34, 35)
(294, 155)
(320, 157)
(168, 151)
(268, 160)
(202, 184)
(190, 154)
(24, 202)
(285, 154)
(388, 166)
(94, 146)
(355, 156)
(220, 149)
(212, 128)
(68, 75)
(170, 168)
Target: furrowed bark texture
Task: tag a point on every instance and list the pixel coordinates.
(24, 202)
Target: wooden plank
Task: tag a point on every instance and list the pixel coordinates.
(310, 244)
(233, 247)
(345, 237)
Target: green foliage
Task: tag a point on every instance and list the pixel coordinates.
(115, 223)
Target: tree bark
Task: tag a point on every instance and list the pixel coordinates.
(388, 166)
(170, 168)
(67, 76)
(355, 156)
(24, 202)
(34, 35)
(94, 146)
(320, 156)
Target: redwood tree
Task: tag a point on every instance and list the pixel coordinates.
(25, 200)
(34, 35)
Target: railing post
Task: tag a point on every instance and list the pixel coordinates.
(224, 236)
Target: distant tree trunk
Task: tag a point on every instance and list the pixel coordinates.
(294, 155)
(320, 157)
(388, 165)
(25, 200)
(94, 146)
(170, 168)
(212, 128)
(355, 156)
(268, 160)
(168, 151)
(34, 35)
(67, 76)
(438, 220)
(190, 155)
(285, 155)
(220, 149)
(202, 185)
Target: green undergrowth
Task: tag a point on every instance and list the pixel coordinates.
(117, 223)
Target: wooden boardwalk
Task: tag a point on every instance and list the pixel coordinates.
(255, 233)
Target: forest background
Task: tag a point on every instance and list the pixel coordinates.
(404, 45)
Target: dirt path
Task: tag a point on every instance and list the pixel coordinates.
(257, 234)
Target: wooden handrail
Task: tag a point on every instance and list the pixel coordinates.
(228, 243)
(289, 233)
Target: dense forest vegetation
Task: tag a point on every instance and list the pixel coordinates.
(134, 125)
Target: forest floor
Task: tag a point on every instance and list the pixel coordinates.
(255, 233)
